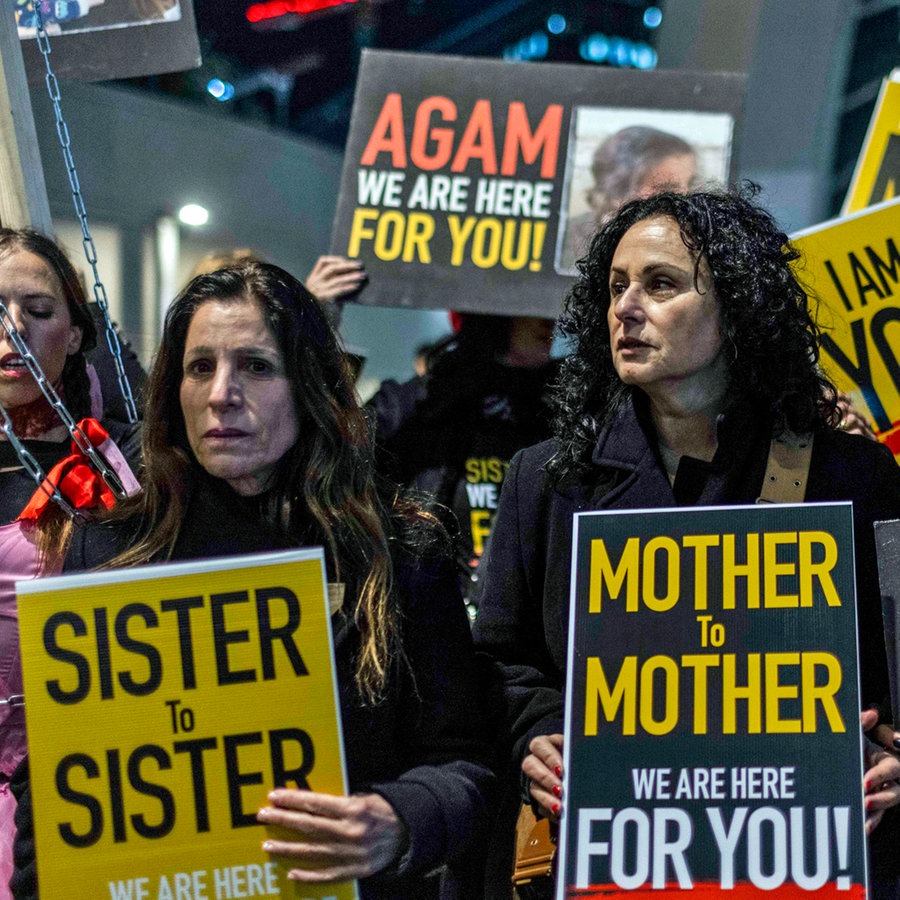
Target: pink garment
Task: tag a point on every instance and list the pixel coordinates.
(96, 393)
(19, 562)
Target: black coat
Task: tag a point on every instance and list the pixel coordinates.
(523, 618)
(522, 625)
(424, 748)
(452, 434)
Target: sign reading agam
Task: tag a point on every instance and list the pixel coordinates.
(712, 712)
(466, 181)
(162, 704)
(852, 267)
(877, 174)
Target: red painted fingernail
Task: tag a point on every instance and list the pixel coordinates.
(557, 790)
(555, 809)
(558, 771)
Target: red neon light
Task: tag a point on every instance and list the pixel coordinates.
(275, 8)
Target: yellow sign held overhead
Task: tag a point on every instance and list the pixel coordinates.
(877, 174)
(852, 265)
(162, 704)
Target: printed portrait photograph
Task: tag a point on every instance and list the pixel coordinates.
(617, 154)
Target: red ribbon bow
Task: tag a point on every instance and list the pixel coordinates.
(75, 478)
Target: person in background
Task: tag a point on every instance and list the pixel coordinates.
(426, 353)
(452, 432)
(694, 347)
(254, 441)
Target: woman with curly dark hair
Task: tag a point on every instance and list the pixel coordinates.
(695, 352)
(766, 342)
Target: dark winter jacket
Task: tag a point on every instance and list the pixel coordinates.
(424, 748)
(452, 434)
(523, 621)
(522, 627)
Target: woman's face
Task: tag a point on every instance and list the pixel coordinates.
(34, 296)
(235, 397)
(664, 326)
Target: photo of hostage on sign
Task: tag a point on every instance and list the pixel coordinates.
(452, 192)
(100, 40)
(713, 665)
(619, 154)
(74, 16)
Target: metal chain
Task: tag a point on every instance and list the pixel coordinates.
(47, 389)
(31, 465)
(90, 251)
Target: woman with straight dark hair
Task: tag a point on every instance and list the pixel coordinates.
(254, 441)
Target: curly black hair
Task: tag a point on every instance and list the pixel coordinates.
(770, 337)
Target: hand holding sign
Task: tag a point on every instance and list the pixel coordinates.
(852, 420)
(337, 838)
(882, 777)
(335, 277)
(543, 766)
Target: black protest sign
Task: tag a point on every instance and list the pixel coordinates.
(463, 178)
(712, 720)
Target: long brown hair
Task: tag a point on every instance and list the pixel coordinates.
(324, 489)
(53, 533)
(76, 385)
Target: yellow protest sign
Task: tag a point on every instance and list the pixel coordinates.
(162, 704)
(852, 265)
(877, 174)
